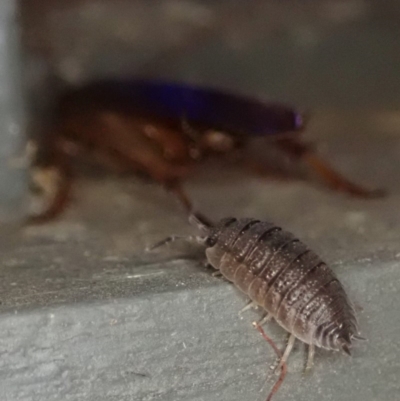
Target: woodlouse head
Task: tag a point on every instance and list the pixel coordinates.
(208, 228)
(214, 231)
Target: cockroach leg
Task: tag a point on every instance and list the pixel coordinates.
(332, 178)
(189, 131)
(260, 170)
(58, 203)
(176, 189)
(279, 355)
(338, 182)
(249, 306)
(288, 350)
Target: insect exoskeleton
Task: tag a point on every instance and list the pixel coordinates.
(282, 275)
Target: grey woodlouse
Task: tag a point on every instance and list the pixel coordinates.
(283, 276)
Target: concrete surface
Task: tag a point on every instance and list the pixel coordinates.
(87, 315)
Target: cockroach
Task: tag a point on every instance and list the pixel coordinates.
(284, 277)
(164, 130)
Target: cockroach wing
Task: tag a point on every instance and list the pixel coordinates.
(207, 108)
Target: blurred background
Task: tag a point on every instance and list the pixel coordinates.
(337, 60)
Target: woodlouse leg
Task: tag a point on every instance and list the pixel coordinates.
(265, 319)
(310, 358)
(332, 178)
(203, 223)
(216, 274)
(287, 352)
(250, 305)
(279, 354)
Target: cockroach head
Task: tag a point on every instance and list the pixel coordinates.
(301, 119)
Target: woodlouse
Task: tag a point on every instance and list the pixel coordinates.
(283, 276)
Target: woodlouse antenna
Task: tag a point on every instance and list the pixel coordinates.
(167, 240)
(279, 354)
(203, 223)
(173, 238)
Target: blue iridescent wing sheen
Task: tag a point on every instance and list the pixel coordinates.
(205, 107)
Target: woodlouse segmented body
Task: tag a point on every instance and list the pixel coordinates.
(282, 275)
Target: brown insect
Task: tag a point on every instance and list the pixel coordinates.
(284, 277)
(133, 134)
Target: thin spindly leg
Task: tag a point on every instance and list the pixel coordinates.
(337, 181)
(264, 172)
(265, 319)
(287, 352)
(176, 189)
(310, 358)
(250, 305)
(332, 178)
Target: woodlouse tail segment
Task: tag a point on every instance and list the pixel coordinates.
(346, 349)
(343, 342)
(359, 338)
(345, 346)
